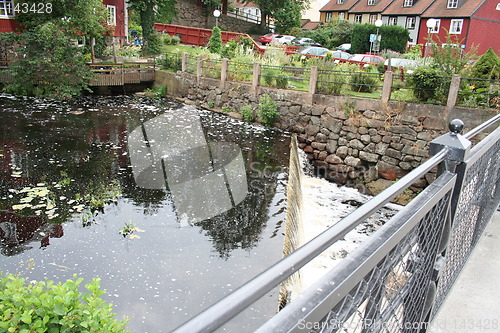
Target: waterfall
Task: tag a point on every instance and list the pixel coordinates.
(294, 233)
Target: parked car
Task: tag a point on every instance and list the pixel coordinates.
(366, 59)
(403, 63)
(303, 41)
(340, 54)
(283, 39)
(344, 47)
(313, 51)
(267, 38)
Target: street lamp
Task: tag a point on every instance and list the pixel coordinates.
(378, 24)
(431, 25)
(216, 15)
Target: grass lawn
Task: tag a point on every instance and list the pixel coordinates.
(180, 48)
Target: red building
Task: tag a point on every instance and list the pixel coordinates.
(469, 22)
(116, 10)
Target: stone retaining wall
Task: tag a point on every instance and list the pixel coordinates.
(190, 14)
(361, 143)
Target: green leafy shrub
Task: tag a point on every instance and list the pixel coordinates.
(268, 110)
(247, 113)
(45, 306)
(275, 77)
(428, 83)
(334, 80)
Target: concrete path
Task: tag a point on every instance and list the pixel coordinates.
(473, 304)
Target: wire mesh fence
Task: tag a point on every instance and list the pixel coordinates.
(331, 82)
(285, 77)
(171, 61)
(479, 93)
(240, 71)
(405, 88)
(211, 68)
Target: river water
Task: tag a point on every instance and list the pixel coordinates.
(171, 206)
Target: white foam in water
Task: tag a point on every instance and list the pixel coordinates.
(325, 204)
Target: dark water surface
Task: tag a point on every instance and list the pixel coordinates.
(171, 206)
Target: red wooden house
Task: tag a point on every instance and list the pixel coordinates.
(116, 9)
(469, 22)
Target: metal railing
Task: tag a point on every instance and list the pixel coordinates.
(397, 279)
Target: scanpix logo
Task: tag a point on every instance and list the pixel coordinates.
(335, 324)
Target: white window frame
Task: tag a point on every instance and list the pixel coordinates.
(459, 24)
(452, 4)
(358, 18)
(435, 30)
(328, 17)
(393, 20)
(341, 15)
(340, 2)
(373, 18)
(371, 2)
(413, 20)
(111, 14)
(6, 8)
(408, 3)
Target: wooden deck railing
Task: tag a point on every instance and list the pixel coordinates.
(122, 73)
(116, 74)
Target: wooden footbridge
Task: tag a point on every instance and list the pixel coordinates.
(114, 74)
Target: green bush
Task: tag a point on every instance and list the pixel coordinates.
(45, 306)
(428, 83)
(268, 110)
(215, 42)
(247, 113)
(172, 61)
(487, 67)
(153, 44)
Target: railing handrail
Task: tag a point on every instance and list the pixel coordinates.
(221, 312)
(482, 127)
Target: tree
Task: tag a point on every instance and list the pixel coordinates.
(332, 34)
(275, 8)
(151, 12)
(215, 42)
(49, 62)
(288, 16)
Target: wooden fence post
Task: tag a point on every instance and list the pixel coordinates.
(184, 61)
(256, 77)
(223, 72)
(387, 87)
(199, 68)
(313, 80)
(453, 92)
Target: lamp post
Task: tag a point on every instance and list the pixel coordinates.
(431, 24)
(216, 15)
(378, 24)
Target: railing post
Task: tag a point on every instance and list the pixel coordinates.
(223, 72)
(256, 77)
(387, 87)
(184, 62)
(458, 150)
(453, 93)
(199, 68)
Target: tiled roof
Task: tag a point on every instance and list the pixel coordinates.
(465, 9)
(311, 25)
(332, 6)
(378, 7)
(396, 8)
